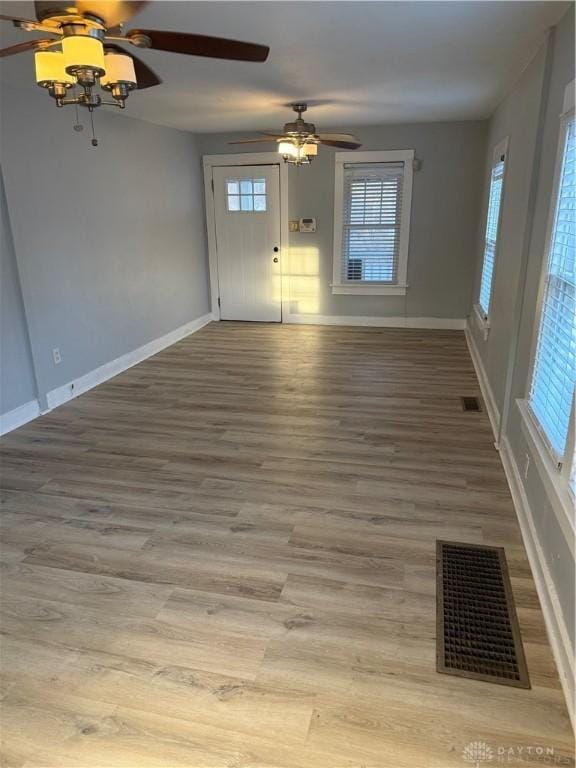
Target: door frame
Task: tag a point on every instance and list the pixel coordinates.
(245, 158)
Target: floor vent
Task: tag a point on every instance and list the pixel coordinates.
(471, 404)
(477, 630)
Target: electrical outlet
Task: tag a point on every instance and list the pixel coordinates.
(526, 465)
(57, 356)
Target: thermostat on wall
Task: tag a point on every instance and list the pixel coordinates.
(307, 225)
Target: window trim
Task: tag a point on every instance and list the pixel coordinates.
(483, 318)
(553, 469)
(482, 322)
(369, 287)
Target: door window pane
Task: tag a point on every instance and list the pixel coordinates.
(246, 195)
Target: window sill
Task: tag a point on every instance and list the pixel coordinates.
(555, 483)
(482, 322)
(365, 289)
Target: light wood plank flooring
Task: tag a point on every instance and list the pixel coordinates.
(224, 558)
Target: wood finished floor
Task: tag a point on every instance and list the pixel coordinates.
(224, 558)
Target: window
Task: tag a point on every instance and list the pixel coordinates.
(246, 195)
(554, 374)
(492, 226)
(372, 202)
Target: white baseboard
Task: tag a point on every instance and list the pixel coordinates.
(107, 371)
(438, 323)
(549, 601)
(487, 394)
(553, 617)
(19, 416)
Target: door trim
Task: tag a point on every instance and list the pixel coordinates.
(245, 158)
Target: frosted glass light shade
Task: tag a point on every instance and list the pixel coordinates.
(310, 150)
(119, 69)
(50, 69)
(82, 52)
(287, 148)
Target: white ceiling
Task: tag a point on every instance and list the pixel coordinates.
(360, 63)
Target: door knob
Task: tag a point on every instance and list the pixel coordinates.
(275, 249)
(275, 260)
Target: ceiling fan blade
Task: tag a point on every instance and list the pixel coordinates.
(112, 12)
(202, 45)
(263, 140)
(340, 144)
(338, 137)
(145, 77)
(16, 20)
(28, 45)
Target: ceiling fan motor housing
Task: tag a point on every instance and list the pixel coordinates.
(47, 10)
(300, 128)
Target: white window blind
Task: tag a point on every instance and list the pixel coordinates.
(372, 213)
(491, 237)
(555, 362)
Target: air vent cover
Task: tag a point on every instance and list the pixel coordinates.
(477, 629)
(471, 404)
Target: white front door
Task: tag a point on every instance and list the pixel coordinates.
(247, 217)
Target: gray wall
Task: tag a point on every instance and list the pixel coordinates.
(109, 241)
(518, 118)
(17, 384)
(445, 209)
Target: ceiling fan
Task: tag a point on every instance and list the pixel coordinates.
(298, 143)
(83, 50)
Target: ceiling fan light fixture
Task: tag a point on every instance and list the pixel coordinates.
(51, 71)
(295, 153)
(119, 71)
(287, 149)
(83, 53)
(310, 149)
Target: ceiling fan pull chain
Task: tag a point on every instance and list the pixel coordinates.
(78, 125)
(94, 139)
